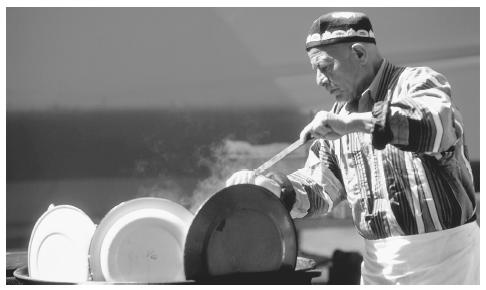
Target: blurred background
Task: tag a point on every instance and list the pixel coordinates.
(109, 104)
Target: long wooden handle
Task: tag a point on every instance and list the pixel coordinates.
(279, 156)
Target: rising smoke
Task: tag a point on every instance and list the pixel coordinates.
(224, 159)
(221, 161)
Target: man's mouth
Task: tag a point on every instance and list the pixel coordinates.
(334, 91)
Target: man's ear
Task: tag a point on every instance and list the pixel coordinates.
(359, 52)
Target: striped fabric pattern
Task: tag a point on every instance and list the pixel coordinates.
(411, 175)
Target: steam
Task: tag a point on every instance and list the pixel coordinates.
(231, 156)
(165, 187)
(222, 160)
(226, 158)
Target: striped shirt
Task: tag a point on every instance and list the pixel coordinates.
(411, 175)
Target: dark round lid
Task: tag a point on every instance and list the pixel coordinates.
(243, 228)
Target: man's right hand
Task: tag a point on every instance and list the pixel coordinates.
(326, 125)
(332, 126)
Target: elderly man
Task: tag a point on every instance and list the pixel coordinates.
(393, 146)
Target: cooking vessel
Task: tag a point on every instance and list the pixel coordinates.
(242, 228)
(302, 275)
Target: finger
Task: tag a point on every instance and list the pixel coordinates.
(265, 181)
(308, 137)
(304, 137)
(242, 176)
(246, 177)
(239, 179)
(306, 133)
(322, 131)
(332, 136)
(269, 184)
(231, 181)
(250, 177)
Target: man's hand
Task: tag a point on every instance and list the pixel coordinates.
(326, 125)
(248, 176)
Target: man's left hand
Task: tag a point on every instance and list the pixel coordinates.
(248, 176)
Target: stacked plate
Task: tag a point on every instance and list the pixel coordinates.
(240, 229)
(59, 245)
(141, 240)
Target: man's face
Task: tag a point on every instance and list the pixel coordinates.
(336, 70)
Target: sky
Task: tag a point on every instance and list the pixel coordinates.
(202, 58)
(111, 58)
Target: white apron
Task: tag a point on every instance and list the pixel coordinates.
(444, 257)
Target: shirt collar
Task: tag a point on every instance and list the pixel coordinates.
(372, 90)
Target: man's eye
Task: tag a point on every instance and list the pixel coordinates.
(323, 68)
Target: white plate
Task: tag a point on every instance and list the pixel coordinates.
(59, 245)
(141, 240)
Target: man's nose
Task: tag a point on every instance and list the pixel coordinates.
(321, 79)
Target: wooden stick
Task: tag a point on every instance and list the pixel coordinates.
(279, 156)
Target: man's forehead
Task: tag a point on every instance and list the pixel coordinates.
(318, 55)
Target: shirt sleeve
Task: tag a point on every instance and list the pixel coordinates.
(318, 186)
(419, 116)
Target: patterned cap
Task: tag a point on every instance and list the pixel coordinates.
(337, 27)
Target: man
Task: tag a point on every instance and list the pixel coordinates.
(393, 146)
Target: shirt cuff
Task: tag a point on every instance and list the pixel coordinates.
(381, 133)
(287, 192)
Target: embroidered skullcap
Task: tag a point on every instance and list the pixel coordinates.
(338, 27)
